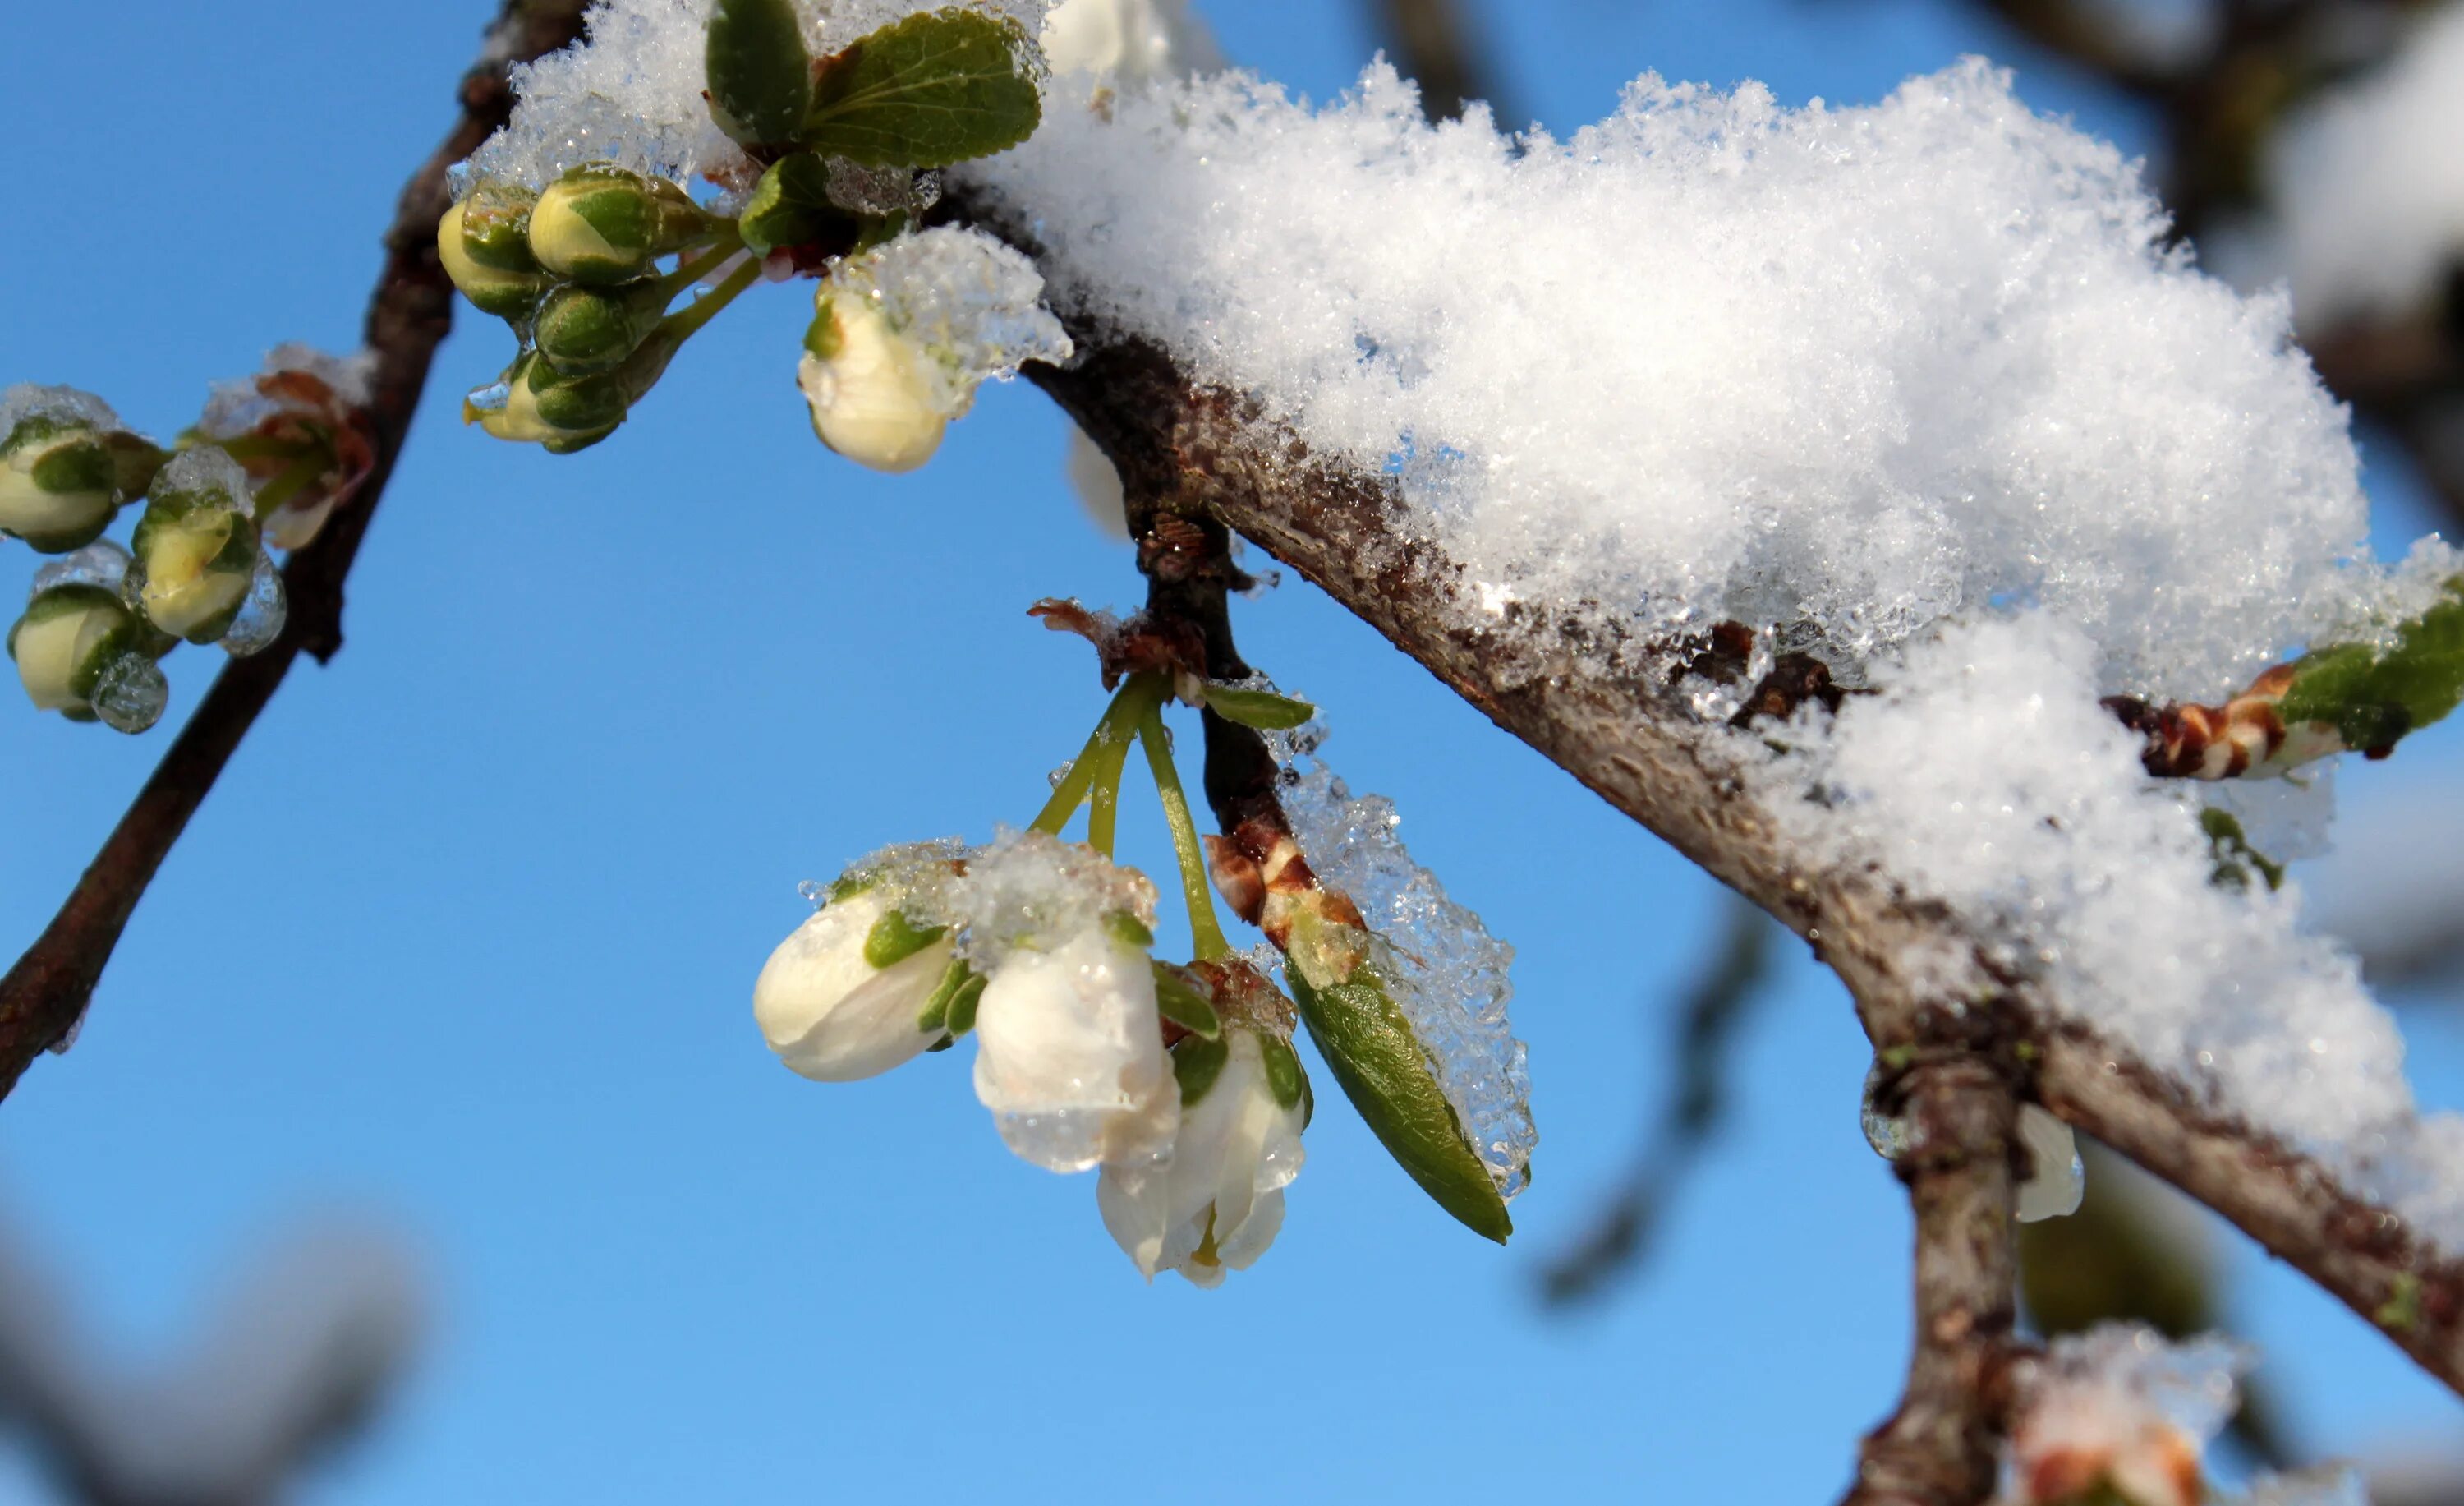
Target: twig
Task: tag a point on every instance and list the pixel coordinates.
(1941, 1447)
(1720, 1001)
(45, 994)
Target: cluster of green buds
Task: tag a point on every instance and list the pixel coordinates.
(839, 158)
(575, 270)
(66, 466)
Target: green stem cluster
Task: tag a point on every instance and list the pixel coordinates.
(1095, 780)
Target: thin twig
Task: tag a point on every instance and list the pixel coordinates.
(45, 994)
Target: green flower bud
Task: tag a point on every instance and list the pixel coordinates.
(561, 414)
(80, 651)
(602, 224)
(492, 290)
(65, 466)
(495, 226)
(585, 331)
(195, 549)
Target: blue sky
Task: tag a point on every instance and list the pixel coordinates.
(464, 940)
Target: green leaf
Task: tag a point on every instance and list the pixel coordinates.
(1177, 999)
(2232, 849)
(791, 207)
(961, 1017)
(893, 939)
(1195, 1063)
(935, 1016)
(934, 89)
(1285, 1077)
(2374, 697)
(1262, 709)
(1385, 1072)
(760, 78)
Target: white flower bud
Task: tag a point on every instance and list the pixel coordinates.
(80, 651)
(1070, 1056)
(195, 548)
(65, 466)
(1217, 1204)
(846, 994)
(872, 392)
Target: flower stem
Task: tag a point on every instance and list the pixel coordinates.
(681, 326)
(1113, 733)
(1206, 932)
(689, 273)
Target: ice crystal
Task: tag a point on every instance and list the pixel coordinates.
(1446, 974)
(971, 302)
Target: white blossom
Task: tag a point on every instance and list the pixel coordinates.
(873, 397)
(1069, 1054)
(1216, 1203)
(830, 1012)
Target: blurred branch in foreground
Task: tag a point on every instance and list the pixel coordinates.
(2137, 1251)
(295, 1363)
(1706, 1034)
(1436, 45)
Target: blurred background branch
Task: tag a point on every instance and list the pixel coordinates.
(1438, 44)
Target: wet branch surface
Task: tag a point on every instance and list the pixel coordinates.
(45, 994)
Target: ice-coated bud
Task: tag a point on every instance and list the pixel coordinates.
(492, 290)
(495, 226)
(80, 651)
(871, 388)
(851, 992)
(65, 466)
(586, 331)
(1216, 1203)
(604, 224)
(195, 549)
(1069, 1054)
(533, 405)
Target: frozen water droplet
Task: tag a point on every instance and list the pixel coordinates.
(69, 1036)
(101, 562)
(1886, 1134)
(131, 694)
(261, 614)
(492, 398)
(1062, 773)
(816, 893)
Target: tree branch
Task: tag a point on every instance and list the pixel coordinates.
(1435, 48)
(46, 993)
(1205, 456)
(1942, 1445)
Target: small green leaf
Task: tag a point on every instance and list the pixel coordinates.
(961, 1017)
(1262, 709)
(1178, 1001)
(1128, 931)
(2373, 698)
(934, 89)
(1195, 1063)
(2232, 849)
(893, 939)
(760, 78)
(1385, 1071)
(1285, 1077)
(791, 207)
(935, 1016)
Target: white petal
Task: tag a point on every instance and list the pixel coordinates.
(2057, 1183)
(833, 1016)
(1069, 1056)
(1133, 1201)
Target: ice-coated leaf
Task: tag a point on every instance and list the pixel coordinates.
(1183, 1004)
(2374, 696)
(938, 88)
(790, 206)
(1385, 1074)
(760, 78)
(1195, 1063)
(1262, 709)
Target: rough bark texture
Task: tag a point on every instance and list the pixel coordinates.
(45, 994)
